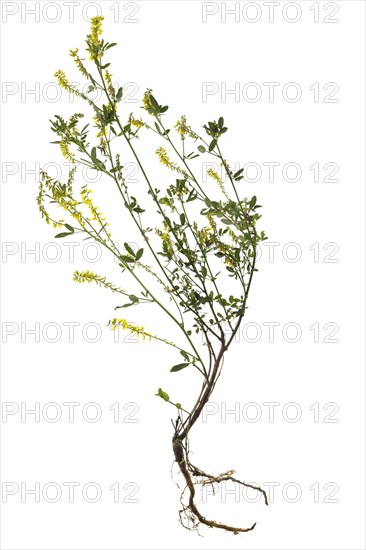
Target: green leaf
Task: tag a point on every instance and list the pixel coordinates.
(128, 259)
(133, 298)
(253, 201)
(139, 253)
(212, 145)
(181, 366)
(221, 122)
(62, 235)
(93, 154)
(154, 103)
(69, 227)
(119, 94)
(163, 394)
(238, 172)
(129, 249)
(178, 405)
(201, 149)
(185, 354)
(182, 219)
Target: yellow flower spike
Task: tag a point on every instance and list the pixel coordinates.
(89, 276)
(204, 235)
(78, 62)
(183, 129)
(165, 160)
(62, 81)
(164, 157)
(215, 176)
(64, 146)
(110, 88)
(139, 331)
(234, 238)
(146, 101)
(96, 29)
(211, 222)
(135, 122)
(84, 276)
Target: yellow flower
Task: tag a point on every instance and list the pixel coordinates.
(111, 90)
(146, 101)
(134, 329)
(84, 276)
(215, 176)
(211, 222)
(165, 237)
(228, 252)
(62, 80)
(204, 235)
(96, 29)
(183, 129)
(40, 200)
(165, 160)
(94, 210)
(64, 146)
(164, 157)
(233, 236)
(78, 62)
(137, 123)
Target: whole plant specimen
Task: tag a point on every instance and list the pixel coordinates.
(204, 237)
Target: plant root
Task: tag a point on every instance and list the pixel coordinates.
(190, 516)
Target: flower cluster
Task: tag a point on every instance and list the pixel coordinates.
(164, 158)
(96, 29)
(79, 62)
(89, 276)
(204, 236)
(184, 130)
(215, 176)
(94, 210)
(146, 100)
(134, 329)
(65, 150)
(110, 87)
(60, 194)
(167, 241)
(62, 80)
(137, 123)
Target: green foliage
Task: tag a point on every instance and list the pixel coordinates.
(179, 367)
(201, 244)
(163, 395)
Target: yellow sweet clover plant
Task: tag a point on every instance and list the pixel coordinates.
(197, 247)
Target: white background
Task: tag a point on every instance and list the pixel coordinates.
(171, 50)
